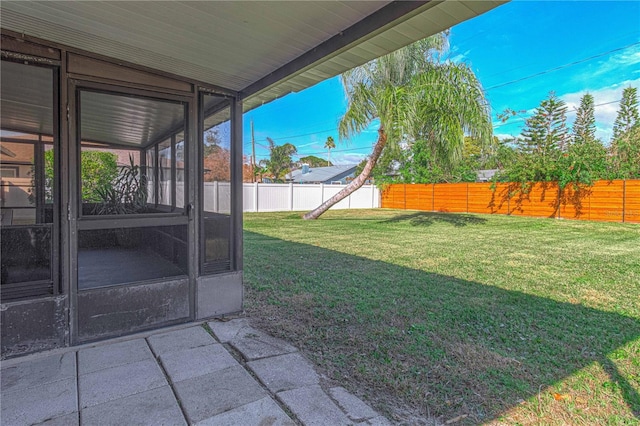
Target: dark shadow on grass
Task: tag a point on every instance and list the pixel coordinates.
(630, 394)
(436, 343)
(429, 218)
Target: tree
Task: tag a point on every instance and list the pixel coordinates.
(419, 166)
(627, 114)
(260, 170)
(584, 126)
(422, 165)
(547, 152)
(248, 171)
(329, 144)
(586, 157)
(413, 95)
(279, 162)
(419, 163)
(217, 165)
(584, 162)
(546, 131)
(626, 157)
(505, 155)
(217, 160)
(212, 141)
(313, 161)
(543, 140)
(98, 170)
(625, 147)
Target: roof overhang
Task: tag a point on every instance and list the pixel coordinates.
(261, 50)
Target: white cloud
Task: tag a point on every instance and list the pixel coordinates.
(608, 70)
(630, 56)
(606, 109)
(504, 136)
(347, 158)
(460, 57)
(314, 144)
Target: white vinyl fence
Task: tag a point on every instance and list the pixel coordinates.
(273, 197)
(276, 197)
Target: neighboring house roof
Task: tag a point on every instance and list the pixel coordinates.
(485, 175)
(322, 174)
(16, 152)
(6, 151)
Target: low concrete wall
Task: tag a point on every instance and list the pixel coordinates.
(115, 311)
(219, 295)
(33, 325)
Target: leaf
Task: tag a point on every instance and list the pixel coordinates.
(561, 397)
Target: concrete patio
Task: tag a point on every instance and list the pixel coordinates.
(179, 376)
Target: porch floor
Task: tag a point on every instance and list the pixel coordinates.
(104, 267)
(182, 376)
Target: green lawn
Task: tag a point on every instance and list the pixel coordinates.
(488, 319)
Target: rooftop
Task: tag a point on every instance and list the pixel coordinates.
(320, 174)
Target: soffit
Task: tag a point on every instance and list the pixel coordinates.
(235, 45)
(127, 120)
(26, 98)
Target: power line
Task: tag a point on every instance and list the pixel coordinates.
(305, 134)
(297, 136)
(352, 149)
(495, 126)
(490, 88)
(323, 152)
(521, 118)
(561, 67)
(506, 71)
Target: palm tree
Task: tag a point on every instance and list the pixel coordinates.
(329, 144)
(279, 162)
(412, 95)
(260, 169)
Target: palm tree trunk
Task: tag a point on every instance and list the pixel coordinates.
(354, 184)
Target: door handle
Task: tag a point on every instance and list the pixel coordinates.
(190, 209)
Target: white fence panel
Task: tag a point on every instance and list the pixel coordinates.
(307, 197)
(273, 197)
(217, 197)
(224, 197)
(366, 198)
(270, 197)
(249, 197)
(330, 191)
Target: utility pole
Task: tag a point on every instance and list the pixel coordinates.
(253, 154)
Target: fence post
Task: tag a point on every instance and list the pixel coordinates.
(558, 215)
(467, 197)
(290, 196)
(215, 196)
(373, 196)
(256, 188)
(404, 187)
(433, 197)
(624, 198)
(321, 193)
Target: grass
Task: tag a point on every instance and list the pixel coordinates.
(482, 319)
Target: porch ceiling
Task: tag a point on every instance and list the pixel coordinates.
(262, 49)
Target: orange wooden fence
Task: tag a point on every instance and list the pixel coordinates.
(610, 201)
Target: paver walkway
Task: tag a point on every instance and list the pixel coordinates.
(178, 377)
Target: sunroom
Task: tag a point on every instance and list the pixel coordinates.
(111, 223)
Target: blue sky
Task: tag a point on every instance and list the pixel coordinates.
(519, 51)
